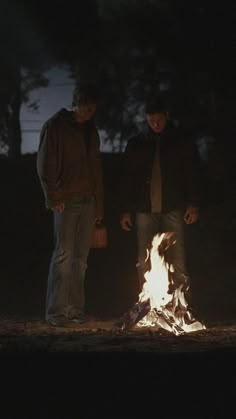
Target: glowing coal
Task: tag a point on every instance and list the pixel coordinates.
(158, 306)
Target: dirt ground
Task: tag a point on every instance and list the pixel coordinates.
(95, 370)
(26, 336)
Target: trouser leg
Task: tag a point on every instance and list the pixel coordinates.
(60, 270)
(174, 222)
(147, 226)
(73, 231)
(76, 300)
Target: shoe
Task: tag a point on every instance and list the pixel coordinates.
(78, 320)
(57, 322)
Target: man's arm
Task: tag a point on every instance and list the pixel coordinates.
(192, 175)
(193, 185)
(98, 177)
(128, 178)
(126, 221)
(191, 215)
(47, 161)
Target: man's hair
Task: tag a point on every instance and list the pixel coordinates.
(155, 104)
(85, 94)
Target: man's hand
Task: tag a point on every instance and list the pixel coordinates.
(99, 220)
(191, 215)
(59, 207)
(126, 222)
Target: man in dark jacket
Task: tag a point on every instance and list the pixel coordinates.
(160, 188)
(70, 171)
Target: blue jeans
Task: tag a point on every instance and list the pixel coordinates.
(72, 231)
(147, 226)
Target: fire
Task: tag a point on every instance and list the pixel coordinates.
(157, 306)
(157, 279)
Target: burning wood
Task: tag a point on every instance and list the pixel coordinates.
(157, 305)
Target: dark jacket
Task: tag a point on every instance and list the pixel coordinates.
(69, 160)
(180, 170)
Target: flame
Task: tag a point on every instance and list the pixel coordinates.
(167, 310)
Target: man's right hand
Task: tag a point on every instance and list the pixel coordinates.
(126, 222)
(59, 207)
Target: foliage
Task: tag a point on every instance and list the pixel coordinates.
(21, 70)
(140, 47)
(129, 49)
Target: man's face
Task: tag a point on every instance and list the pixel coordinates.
(157, 121)
(85, 112)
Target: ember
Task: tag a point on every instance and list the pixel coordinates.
(157, 306)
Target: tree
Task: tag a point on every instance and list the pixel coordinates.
(139, 46)
(128, 49)
(22, 66)
(39, 35)
(129, 56)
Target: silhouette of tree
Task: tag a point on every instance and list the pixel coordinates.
(22, 66)
(128, 49)
(174, 47)
(39, 35)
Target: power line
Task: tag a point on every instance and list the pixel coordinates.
(30, 130)
(31, 120)
(59, 85)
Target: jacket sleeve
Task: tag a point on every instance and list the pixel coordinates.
(47, 164)
(192, 175)
(127, 179)
(97, 168)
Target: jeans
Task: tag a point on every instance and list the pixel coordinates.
(147, 226)
(72, 234)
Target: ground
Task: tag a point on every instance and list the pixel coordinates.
(32, 335)
(96, 371)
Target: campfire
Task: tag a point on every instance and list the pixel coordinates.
(161, 304)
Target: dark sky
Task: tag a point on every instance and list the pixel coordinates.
(58, 26)
(203, 35)
(49, 25)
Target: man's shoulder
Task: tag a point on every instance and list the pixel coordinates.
(58, 117)
(174, 131)
(137, 138)
(180, 135)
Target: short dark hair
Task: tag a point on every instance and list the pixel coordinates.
(86, 93)
(155, 105)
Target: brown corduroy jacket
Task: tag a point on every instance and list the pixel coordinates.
(69, 160)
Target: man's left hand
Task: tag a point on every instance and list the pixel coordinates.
(98, 220)
(191, 215)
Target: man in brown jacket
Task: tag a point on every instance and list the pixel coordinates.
(70, 172)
